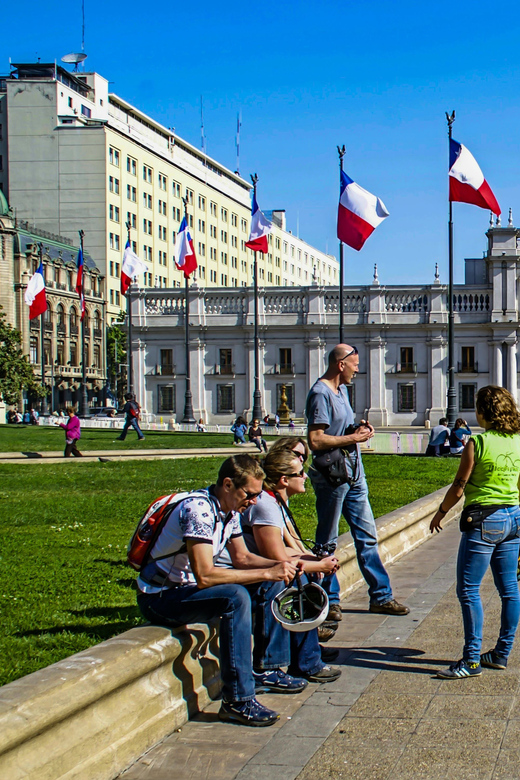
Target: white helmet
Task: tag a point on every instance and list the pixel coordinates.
(301, 607)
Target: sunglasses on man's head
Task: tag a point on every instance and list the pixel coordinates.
(353, 351)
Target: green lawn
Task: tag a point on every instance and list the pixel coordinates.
(35, 438)
(64, 584)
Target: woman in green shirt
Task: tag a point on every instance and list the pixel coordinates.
(490, 523)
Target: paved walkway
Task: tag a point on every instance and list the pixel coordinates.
(387, 716)
(89, 456)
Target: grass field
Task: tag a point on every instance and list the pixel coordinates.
(33, 438)
(64, 584)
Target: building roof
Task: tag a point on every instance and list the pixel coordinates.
(54, 249)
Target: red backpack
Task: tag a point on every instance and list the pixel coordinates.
(150, 526)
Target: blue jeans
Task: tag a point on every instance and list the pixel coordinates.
(496, 543)
(131, 421)
(274, 646)
(174, 607)
(351, 501)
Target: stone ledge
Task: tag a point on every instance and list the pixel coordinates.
(92, 714)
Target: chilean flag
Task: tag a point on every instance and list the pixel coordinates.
(185, 259)
(467, 182)
(359, 213)
(260, 229)
(35, 294)
(79, 283)
(132, 265)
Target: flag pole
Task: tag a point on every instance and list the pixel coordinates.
(341, 153)
(84, 395)
(42, 340)
(452, 396)
(188, 399)
(130, 361)
(257, 397)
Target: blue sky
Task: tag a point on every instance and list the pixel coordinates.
(375, 76)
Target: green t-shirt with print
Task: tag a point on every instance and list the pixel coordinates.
(494, 479)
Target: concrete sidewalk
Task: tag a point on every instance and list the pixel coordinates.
(387, 716)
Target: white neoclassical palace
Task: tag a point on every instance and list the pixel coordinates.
(400, 332)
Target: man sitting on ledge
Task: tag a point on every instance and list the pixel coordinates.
(182, 585)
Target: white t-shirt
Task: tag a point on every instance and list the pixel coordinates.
(199, 517)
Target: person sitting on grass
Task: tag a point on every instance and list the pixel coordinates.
(490, 523)
(255, 436)
(181, 584)
(238, 429)
(72, 430)
(458, 435)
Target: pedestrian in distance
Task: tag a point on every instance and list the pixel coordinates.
(133, 412)
(490, 524)
(201, 428)
(277, 421)
(255, 436)
(439, 440)
(72, 430)
(458, 435)
(338, 479)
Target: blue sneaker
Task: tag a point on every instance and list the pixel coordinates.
(277, 681)
(493, 661)
(460, 670)
(247, 713)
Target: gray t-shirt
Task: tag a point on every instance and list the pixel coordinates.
(325, 407)
(266, 511)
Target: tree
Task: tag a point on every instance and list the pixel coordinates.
(116, 358)
(16, 373)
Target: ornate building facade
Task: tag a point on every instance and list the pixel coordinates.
(400, 332)
(62, 331)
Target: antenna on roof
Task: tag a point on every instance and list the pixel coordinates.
(237, 141)
(202, 135)
(82, 25)
(74, 59)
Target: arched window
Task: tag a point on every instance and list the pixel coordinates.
(97, 322)
(73, 321)
(86, 320)
(60, 315)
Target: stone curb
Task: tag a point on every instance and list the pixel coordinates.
(92, 714)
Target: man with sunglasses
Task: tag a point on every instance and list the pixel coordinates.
(330, 422)
(181, 583)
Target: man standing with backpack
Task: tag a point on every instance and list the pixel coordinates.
(132, 411)
(179, 583)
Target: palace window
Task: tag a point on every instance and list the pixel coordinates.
(225, 399)
(406, 397)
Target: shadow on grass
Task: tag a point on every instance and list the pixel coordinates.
(32, 454)
(126, 617)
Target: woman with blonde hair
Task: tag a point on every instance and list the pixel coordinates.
(270, 531)
(490, 524)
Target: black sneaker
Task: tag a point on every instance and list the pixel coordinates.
(391, 607)
(493, 661)
(460, 670)
(248, 713)
(277, 681)
(326, 675)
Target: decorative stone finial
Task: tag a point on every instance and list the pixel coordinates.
(314, 275)
(510, 220)
(499, 221)
(490, 219)
(375, 280)
(437, 277)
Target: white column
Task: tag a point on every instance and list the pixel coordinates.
(511, 369)
(376, 400)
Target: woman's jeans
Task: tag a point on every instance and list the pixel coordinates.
(496, 543)
(351, 501)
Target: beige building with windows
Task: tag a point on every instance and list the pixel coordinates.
(73, 156)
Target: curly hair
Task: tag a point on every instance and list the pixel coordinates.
(498, 407)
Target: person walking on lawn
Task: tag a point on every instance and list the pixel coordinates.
(132, 411)
(72, 430)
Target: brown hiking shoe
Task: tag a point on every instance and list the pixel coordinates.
(391, 607)
(326, 632)
(335, 613)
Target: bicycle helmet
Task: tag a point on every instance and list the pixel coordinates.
(301, 607)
